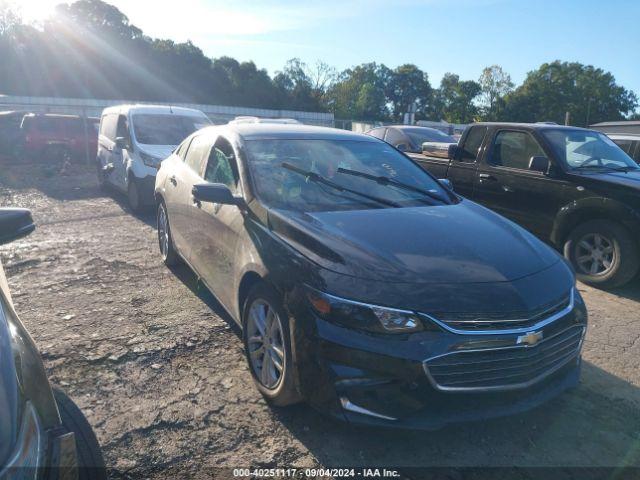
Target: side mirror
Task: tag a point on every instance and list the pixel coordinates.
(215, 193)
(539, 164)
(15, 223)
(454, 152)
(446, 183)
(121, 143)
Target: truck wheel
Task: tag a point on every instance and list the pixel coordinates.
(603, 253)
(90, 461)
(267, 346)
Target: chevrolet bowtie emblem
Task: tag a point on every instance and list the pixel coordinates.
(530, 338)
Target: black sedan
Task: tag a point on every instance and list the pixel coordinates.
(43, 434)
(364, 285)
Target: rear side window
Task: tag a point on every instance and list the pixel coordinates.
(377, 132)
(625, 145)
(636, 155)
(395, 137)
(73, 125)
(514, 150)
(108, 125)
(472, 144)
(198, 152)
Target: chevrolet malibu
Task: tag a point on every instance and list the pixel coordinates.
(362, 284)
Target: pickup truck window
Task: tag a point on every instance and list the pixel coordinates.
(472, 144)
(514, 150)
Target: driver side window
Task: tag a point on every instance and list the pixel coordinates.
(513, 149)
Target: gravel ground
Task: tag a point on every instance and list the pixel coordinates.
(158, 368)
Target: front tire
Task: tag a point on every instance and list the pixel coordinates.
(165, 241)
(133, 195)
(603, 253)
(102, 180)
(90, 460)
(268, 347)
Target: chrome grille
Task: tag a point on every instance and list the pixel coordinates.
(505, 368)
(502, 320)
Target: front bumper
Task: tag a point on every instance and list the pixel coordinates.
(390, 380)
(41, 454)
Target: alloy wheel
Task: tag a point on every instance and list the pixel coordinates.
(265, 344)
(595, 254)
(163, 231)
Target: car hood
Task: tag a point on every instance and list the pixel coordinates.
(454, 244)
(629, 179)
(158, 151)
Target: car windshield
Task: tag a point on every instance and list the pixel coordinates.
(281, 187)
(159, 129)
(420, 135)
(585, 150)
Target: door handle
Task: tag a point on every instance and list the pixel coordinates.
(173, 180)
(486, 176)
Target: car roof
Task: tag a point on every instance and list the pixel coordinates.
(407, 127)
(264, 131)
(623, 136)
(530, 126)
(153, 109)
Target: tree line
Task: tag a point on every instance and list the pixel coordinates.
(89, 49)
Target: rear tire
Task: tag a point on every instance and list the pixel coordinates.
(90, 460)
(270, 354)
(603, 253)
(168, 252)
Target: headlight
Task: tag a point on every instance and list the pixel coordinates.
(150, 160)
(363, 316)
(29, 447)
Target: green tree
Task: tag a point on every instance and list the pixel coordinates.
(589, 94)
(495, 83)
(360, 93)
(407, 85)
(454, 100)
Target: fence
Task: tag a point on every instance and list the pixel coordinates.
(93, 108)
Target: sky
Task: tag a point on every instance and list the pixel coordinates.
(459, 36)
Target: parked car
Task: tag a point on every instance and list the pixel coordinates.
(56, 138)
(250, 119)
(629, 143)
(409, 138)
(134, 139)
(364, 285)
(40, 427)
(570, 186)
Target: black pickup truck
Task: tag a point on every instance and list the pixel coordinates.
(570, 186)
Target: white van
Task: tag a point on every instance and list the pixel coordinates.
(133, 141)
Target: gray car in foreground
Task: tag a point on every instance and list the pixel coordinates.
(43, 434)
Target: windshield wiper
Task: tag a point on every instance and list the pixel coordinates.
(382, 180)
(314, 177)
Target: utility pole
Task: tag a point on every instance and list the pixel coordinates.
(567, 117)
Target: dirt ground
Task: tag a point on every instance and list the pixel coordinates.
(158, 368)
